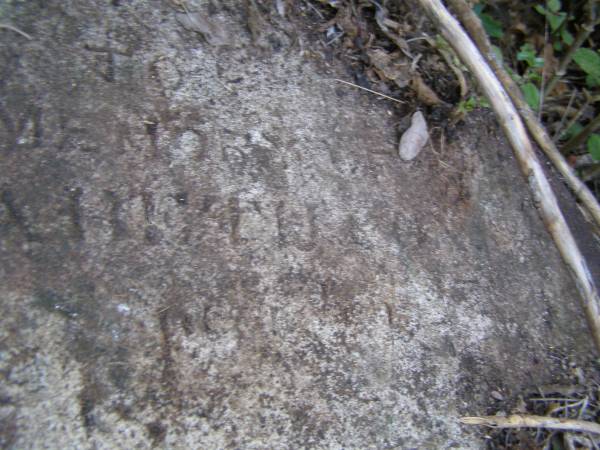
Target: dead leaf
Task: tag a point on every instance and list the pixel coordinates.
(424, 92)
(414, 139)
(213, 32)
(391, 66)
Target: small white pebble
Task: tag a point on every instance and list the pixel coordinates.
(123, 308)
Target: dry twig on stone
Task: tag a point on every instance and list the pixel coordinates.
(527, 421)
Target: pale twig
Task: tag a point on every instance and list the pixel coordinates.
(569, 405)
(162, 310)
(369, 90)
(553, 400)
(568, 441)
(526, 421)
(510, 121)
(15, 29)
(311, 6)
(583, 408)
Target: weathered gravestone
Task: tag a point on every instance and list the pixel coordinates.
(218, 247)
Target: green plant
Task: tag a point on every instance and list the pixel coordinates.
(469, 104)
(593, 146)
(557, 19)
(491, 25)
(588, 60)
(531, 76)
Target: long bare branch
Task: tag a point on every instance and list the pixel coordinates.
(513, 127)
(537, 130)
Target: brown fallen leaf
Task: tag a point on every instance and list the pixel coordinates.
(391, 66)
(424, 92)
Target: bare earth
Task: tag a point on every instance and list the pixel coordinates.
(216, 246)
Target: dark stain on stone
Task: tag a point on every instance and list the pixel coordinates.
(75, 211)
(234, 219)
(152, 129)
(157, 432)
(390, 313)
(51, 301)
(38, 130)
(17, 216)
(119, 227)
(208, 201)
(152, 234)
(89, 396)
(8, 430)
(109, 75)
(326, 287)
(9, 125)
(124, 411)
(148, 202)
(181, 198)
(119, 372)
(115, 3)
(187, 324)
(168, 373)
(280, 231)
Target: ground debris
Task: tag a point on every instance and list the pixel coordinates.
(213, 32)
(424, 92)
(391, 66)
(576, 401)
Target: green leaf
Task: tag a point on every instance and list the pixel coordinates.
(567, 37)
(556, 20)
(593, 146)
(526, 53)
(492, 27)
(592, 81)
(553, 5)
(532, 95)
(588, 61)
(531, 76)
(573, 130)
(540, 9)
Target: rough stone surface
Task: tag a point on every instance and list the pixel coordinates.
(218, 247)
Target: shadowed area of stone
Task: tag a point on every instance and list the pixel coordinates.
(218, 247)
